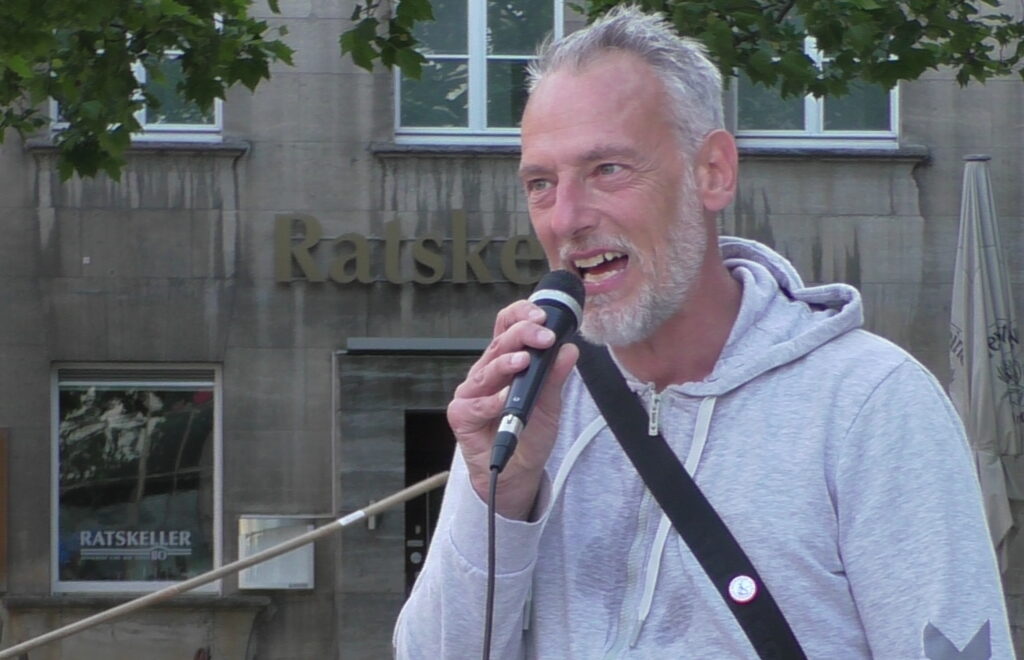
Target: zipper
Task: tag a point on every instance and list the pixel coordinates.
(700, 438)
(652, 421)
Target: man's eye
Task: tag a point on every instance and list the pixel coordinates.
(536, 185)
(608, 168)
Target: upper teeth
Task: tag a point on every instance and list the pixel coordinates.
(597, 259)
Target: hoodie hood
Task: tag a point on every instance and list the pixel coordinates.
(780, 318)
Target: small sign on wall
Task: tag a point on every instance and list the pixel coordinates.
(292, 570)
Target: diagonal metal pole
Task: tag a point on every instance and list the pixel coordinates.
(168, 592)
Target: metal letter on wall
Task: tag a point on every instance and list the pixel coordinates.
(511, 258)
(352, 265)
(463, 255)
(299, 242)
(286, 253)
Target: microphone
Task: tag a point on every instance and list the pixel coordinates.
(560, 295)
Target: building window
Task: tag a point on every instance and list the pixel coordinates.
(473, 84)
(175, 118)
(865, 117)
(136, 483)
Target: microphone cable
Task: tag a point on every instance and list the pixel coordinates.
(491, 552)
(560, 294)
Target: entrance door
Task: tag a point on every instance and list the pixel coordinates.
(429, 445)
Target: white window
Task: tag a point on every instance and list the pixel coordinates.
(136, 477)
(472, 89)
(865, 117)
(175, 118)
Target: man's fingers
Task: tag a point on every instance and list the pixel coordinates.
(486, 378)
(471, 415)
(520, 310)
(480, 398)
(475, 412)
(504, 358)
(521, 334)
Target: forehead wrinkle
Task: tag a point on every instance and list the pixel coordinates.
(608, 151)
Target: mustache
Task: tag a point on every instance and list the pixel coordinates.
(588, 243)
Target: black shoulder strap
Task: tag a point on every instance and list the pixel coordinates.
(691, 514)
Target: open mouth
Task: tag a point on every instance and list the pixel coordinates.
(601, 266)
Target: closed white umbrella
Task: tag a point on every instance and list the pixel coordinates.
(988, 375)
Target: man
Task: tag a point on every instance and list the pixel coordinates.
(833, 457)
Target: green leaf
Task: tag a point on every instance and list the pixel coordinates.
(172, 8)
(410, 62)
(17, 64)
(91, 109)
(65, 166)
(361, 51)
(761, 68)
(280, 51)
(359, 43)
(409, 11)
(387, 53)
(862, 37)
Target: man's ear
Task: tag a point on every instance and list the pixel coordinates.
(717, 170)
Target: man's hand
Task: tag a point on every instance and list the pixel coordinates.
(474, 412)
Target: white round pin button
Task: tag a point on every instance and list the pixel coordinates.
(742, 588)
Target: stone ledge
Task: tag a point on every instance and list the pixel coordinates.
(909, 152)
(393, 150)
(231, 149)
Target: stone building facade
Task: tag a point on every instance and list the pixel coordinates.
(315, 282)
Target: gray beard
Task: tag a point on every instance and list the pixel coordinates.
(614, 323)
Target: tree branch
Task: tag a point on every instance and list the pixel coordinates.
(785, 11)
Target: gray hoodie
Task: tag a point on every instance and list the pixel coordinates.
(834, 458)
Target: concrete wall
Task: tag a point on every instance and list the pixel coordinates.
(854, 219)
(176, 263)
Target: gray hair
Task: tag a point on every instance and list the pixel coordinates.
(692, 81)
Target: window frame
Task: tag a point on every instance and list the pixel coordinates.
(151, 132)
(477, 57)
(212, 133)
(145, 373)
(814, 134)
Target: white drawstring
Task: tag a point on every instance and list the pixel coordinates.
(584, 438)
(700, 439)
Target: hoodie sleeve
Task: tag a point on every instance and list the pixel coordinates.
(912, 531)
(444, 615)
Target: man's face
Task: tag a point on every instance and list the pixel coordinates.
(611, 196)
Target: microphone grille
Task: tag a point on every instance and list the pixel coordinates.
(562, 284)
(565, 281)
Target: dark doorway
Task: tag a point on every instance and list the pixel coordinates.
(429, 444)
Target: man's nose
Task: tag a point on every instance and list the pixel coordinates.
(573, 214)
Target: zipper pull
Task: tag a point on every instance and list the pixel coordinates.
(652, 423)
